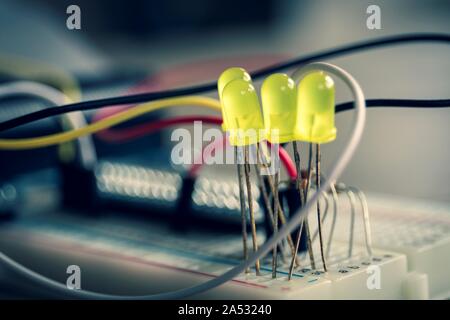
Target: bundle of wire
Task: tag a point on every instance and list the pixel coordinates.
(169, 98)
(335, 172)
(344, 50)
(69, 121)
(175, 76)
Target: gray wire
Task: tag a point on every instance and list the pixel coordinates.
(339, 166)
(75, 120)
(366, 219)
(335, 213)
(324, 216)
(352, 199)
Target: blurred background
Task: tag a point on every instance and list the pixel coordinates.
(402, 153)
(140, 46)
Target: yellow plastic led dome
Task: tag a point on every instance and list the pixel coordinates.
(279, 101)
(242, 113)
(315, 116)
(226, 77)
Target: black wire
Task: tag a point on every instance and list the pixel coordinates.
(399, 103)
(144, 97)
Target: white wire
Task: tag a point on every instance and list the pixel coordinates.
(293, 223)
(76, 119)
(351, 197)
(366, 219)
(335, 214)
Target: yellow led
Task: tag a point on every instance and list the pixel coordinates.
(229, 75)
(279, 101)
(226, 77)
(242, 113)
(315, 117)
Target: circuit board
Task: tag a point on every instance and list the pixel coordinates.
(119, 255)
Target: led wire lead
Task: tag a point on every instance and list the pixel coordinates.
(278, 208)
(250, 206)
(285, 243)
(266, 200)
(282, 216)
(266, 196)
(271, 216)
(306, 222)
(298, 185)
(276, 201)
(319, 220)
(324, 215)
(240, 170)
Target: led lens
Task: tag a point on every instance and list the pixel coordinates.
(279, 101)
(315, 118)
(226, 77)
(242, 113)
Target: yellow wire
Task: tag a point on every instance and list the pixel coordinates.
(57, 138)
(53, 76)
(39, 71)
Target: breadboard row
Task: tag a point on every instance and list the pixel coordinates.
(187, 260)
(417, 229)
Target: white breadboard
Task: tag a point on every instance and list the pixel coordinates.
(419, 230)
(152, 263)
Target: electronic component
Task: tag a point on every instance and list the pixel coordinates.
(419, 230)
(225, 78)
(155, 189)
(177, 260)
(279, 101)
(278, 95)
(315, 117)
(242, 112)
(246, 128)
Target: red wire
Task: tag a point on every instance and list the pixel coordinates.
(179, 75)
(288, 163)
(124, 135)
(283, 154)
(196, 166)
